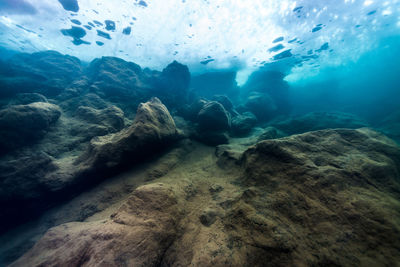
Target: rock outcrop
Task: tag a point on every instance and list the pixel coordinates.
(243, 123)
(48, 73)
(261, 105)
(323, 198)
(24, 124)
(152, 130)
(115, 77)
(213, 123)
(319, 120)
(391, 126)
(138, 234)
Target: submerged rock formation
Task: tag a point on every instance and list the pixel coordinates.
(138, 234)
(152, 130)
(329, 197)
(115, 77)
(48, 73)
(34, 180)
(319, 120)
(213, 123)
(24, 124)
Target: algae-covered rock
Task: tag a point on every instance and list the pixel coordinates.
(243, 123)
(115, 77)
(24, 124)
(329, 197)
(339, 188)
(319, 120)
(138, 234)
(111, 117)
(47, 73)
(213, 117)
(261, 105)
(152, 129)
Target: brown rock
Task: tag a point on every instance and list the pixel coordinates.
(152, 129)
(138, 234)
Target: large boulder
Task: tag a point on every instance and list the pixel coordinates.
(172, 85)
(152, 129)
(319, 120)
(243, 124)
(27, 98)
(261, 105)
(48, 73)
(111, 117)
(115, 77)
(137, 234)
(23, 191)
(338, 191)
(24, 124)
(213, 117)
(212, 83)
(391, 126)
(270, 82)
(213, 124)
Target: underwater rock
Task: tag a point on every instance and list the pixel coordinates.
(333, 188)
(190, 112)
(213, 117)
(391, 126)
(172, 85)
(212, 83)
(226, 102)
(24, 124)
(270, 133)
(212, 138)
(319, 120)
(152, 129)
(208, 217)
(137, 234)
(22, 184)
(329, 186)
(243, 123)
(47, 73)
(272, 83)
(111, 117)
(213, 123)
(28, 98)
(115, 77)
(88, 100)
(261, 105)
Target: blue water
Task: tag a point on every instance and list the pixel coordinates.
(317, 64)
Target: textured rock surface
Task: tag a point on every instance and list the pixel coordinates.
(213, 123)
(138, 234)
(324, 198)
(261, 105)
(114, 77)
(319, 120)
(111, 117)
(152, 129)
(172, 85)
(24, 124)
(243, 123)
(391, 126)
(48, 73)
(213, 117)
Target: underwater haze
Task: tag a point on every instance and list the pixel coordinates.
(199, 133)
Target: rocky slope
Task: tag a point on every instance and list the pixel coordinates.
(110, 164)
(329, 197)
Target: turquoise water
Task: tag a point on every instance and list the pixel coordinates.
(75, 70)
